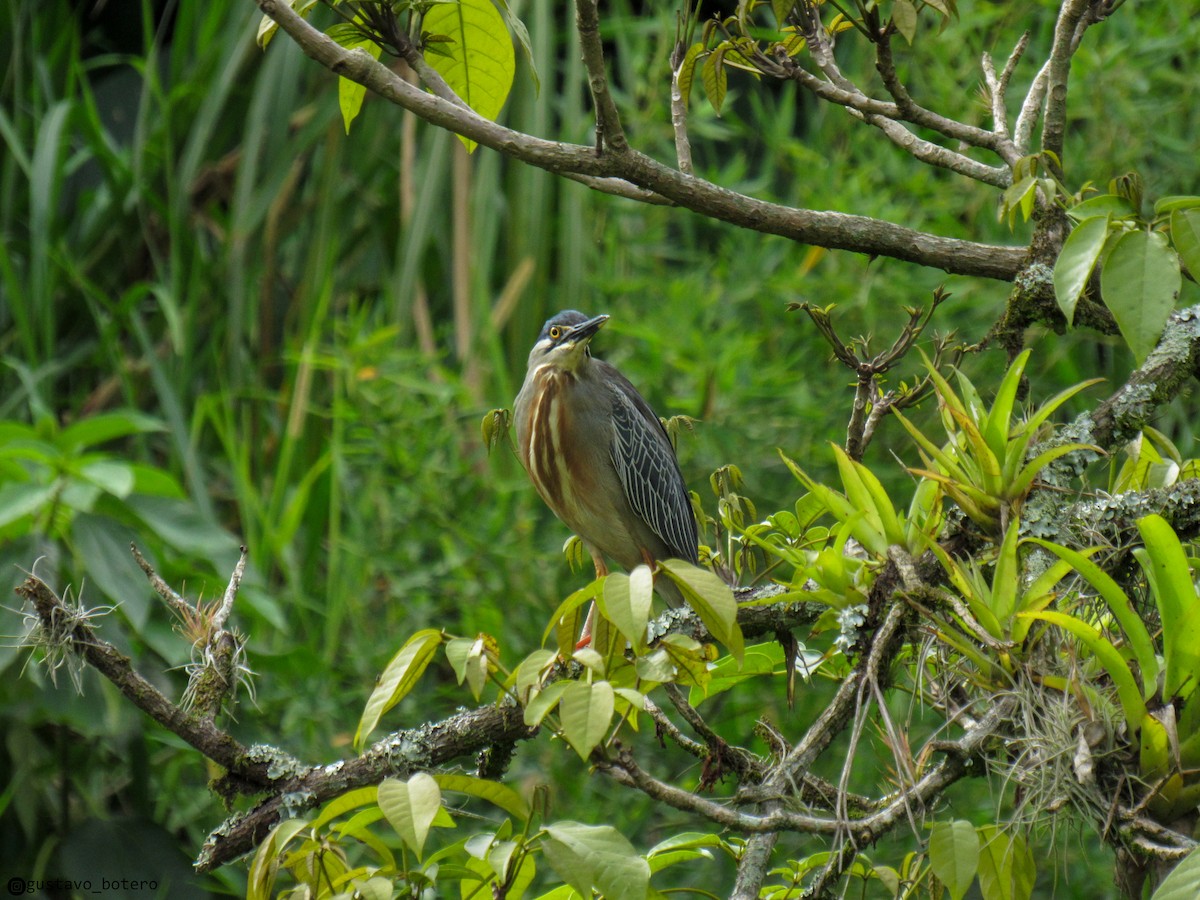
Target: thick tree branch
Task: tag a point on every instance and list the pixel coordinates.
(1067, 33)
(838, 231)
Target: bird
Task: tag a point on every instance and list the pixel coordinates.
(599, 456)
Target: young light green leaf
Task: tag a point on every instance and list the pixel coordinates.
(266, 859)
(1006, 866)
(687, 71)
(954, 855)
(495, 793)
(1139, 282)
(1077, 261)
(398, 678)
(267, 26)
(411, 807)
(543, 701)
(711, 598)
(478, 63)
(587, 856)
(626, 600)
(568, 618)
(586, 710)
(532, 669)
(715, 78)
(1185, 235)
(904, 17)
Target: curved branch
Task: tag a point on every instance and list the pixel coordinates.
(838, 231)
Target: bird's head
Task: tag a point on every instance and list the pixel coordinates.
(564, 341)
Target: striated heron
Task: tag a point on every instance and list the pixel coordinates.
(599, 456)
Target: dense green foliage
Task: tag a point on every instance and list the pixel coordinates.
(223, 321)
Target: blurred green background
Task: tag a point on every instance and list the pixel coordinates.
(309, 327)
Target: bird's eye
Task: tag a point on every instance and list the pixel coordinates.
(555, 332)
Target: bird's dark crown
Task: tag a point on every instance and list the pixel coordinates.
(566, 320)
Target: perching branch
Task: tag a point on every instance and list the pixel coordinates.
(615, 172)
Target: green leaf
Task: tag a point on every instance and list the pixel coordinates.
(568, 618)
(1077, 261)
(103, 547)
(954, 855)
(1006, 579)
(1102, 206)
(904, 17)
(1185, 235)
(351, 93)
(540, 704)
(1006, 867)
(106, 427)
(479, 63)
(411, 807)
(266, 859)
(1166, 566)
(715, 78)
(468, 658)
(1184, 881)
(1140, 281)
(532, 669)
(495, 793)
(998, 425)
(726, 673)
(18, 499)
(398, 678)
(1170, 204)
(599, 856)
(711, 598)
(626, 600)
(687, 71)
(586, 710)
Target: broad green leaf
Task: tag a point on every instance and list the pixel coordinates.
(540, 704)
(1109, 657)
(339, 806)
(715, 78)
(1104, 206)
(586, 710)
(103, 547)
(398, 678)
(478, 63)
(904, 17)
(266, 859)
(587, 856)
(493, 792)
(470, 660)
(1166, 566)
(106, 427)
(1184, 881)
(954, 855)
(687, 70)
(18, 499)
(758, 660)
(110, 475)
(626, 600)
(1006, 866)
(351, 93)
(1185, 235)
(1076, 263)
(411, 807)
(711, 598)
(1139, 282)
(532, 669)
(1172, 203)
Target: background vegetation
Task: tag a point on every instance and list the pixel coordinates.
(288, 335)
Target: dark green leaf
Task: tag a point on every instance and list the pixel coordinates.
(1140, 281)
(1076, 263)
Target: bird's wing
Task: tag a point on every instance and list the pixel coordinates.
(645, 461)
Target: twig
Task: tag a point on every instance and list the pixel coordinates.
(683, 143)
(608, 121)
(1067, 32)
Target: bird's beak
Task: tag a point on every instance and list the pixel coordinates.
(582, 333)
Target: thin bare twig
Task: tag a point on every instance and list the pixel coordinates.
(610, 132)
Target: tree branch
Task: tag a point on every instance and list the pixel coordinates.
(610, 134)
(838, 231)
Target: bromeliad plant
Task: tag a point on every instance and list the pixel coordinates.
(983, 466)
(1155, 685)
